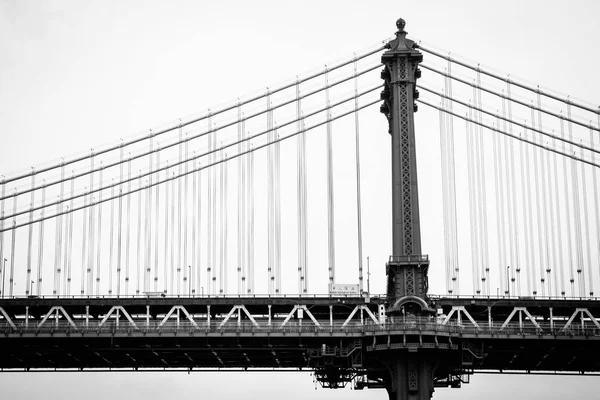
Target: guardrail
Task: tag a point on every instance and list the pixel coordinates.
(159, 295)
(422, 325)
(410, 258)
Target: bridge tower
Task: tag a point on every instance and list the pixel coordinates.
(410, 373)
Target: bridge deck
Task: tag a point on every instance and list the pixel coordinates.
(173, 333)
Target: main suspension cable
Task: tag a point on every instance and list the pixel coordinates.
(209, 152)
(197, 119)
(522, 125)
(507, 80)
(501, 95)
(200, 168)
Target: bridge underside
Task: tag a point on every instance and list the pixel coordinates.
(343, 340)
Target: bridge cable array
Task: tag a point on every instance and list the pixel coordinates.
(522, 229)
(174, 215)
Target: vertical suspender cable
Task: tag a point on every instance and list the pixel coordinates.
(180, 238)
(242, 210)
(304, 207)
(139, 235)
(111, 239)
(28, 288)
(452, 186)
(532, 284)
(568, 212)
(445, 205)
(506, 196)
(330, 200)
(586, 221)
(595, 186)
(3, 185)
(480, 188)
(240, 204)
(70, 252)
(173, 241)
(168, 237)
(98, 258)
(209, 231)
(56, 284)
(221, 225)
(120, 222)
(41, 243)
(12, 249)
(545, 261)
(185, 220)
(514, 188)
(277, 199)
(497, 149)
(194, 223)
(128, 226)
(482, 185)
(536, 182)
(83, 244)
(250, 251)
(92, 245)
(224, 202)
(270, 257)
(301, 197)
(552, 263)
(576, 209)
(157, 220)
(199, 254)
(214, 217)
(472, 214)
(299, 188)
(357, 161)
(526, 202)
(558, 262)
(59, 270)
(148, 217)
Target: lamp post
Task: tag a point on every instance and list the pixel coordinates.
(3, 275)
(368, 277)
(507, 280)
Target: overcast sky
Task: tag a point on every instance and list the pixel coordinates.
(74, 75)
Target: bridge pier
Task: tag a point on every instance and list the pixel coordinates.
(410, 374)
(410, 377)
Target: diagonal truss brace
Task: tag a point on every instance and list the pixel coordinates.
(459, 310)
(239, 310)
(117, 309)
(361, 307)
(520, 310)
(178, 308)
(5, 315)
(300, 309)
(56, 310)
(581, 311)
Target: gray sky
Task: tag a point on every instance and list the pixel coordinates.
(75, 75)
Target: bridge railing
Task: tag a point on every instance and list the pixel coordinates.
(407, 326)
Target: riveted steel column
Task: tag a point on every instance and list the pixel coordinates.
(400, 75)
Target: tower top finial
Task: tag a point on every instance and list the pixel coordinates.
(400, 24)
(401, 43)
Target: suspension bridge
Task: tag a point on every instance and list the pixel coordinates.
(190, 247)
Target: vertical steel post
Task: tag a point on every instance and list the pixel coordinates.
(410, 375)
(400, 75)
(407, 267)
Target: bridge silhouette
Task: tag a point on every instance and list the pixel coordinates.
(107, 275)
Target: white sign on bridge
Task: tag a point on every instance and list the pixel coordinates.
(340, 289)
